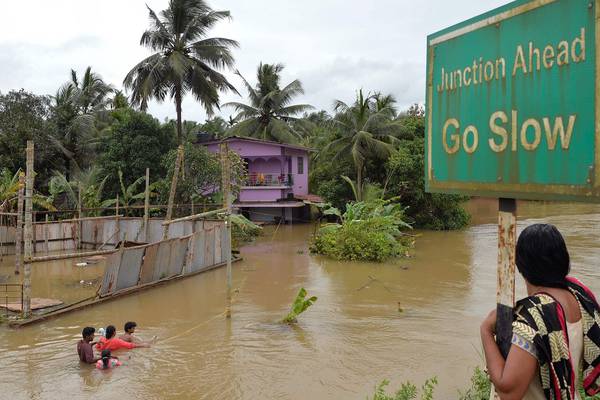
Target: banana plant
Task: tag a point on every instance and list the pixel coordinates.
(301, 303)
(128, 196)
(9, 191)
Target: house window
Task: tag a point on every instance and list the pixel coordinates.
(289, 171)
(300, 165)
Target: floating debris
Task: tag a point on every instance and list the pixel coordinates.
(81, 264)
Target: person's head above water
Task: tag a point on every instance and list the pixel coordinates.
(542, 256)
(105, 358)
(130, 327)
(110, 331)
(88, 333)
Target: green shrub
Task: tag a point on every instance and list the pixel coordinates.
(407, 391)
(368, 231)
(480, 387)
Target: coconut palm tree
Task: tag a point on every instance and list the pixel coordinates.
(364, 132)
(185, 60)
(270, 114)
(78, 105)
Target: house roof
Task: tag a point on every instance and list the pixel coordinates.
(247, 139)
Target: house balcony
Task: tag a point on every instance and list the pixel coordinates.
(258, 180)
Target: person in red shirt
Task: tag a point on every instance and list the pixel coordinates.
(112, 343)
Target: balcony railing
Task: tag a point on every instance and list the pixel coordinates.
(258, 179)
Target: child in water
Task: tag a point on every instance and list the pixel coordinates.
(107, 361)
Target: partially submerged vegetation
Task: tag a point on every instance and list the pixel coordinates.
(370, 231)
(300, 304)
(407, 391)
(243, 230)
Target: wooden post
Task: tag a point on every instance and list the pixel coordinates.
(117, 222)
(28, 233)
(46, 235)
(146, 204)
(226, 189)
(505, 294)
(173, 189)
(79, 225)
(19, 230)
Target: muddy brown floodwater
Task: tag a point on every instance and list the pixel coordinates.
(350, 340)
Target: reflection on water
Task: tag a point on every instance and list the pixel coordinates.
(352, 338)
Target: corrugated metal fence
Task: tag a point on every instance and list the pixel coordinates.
(189, 253)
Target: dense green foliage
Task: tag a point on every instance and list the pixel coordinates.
(368, 231)
(388, 157)
(135, 141)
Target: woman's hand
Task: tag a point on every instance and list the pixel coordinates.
(489, 323)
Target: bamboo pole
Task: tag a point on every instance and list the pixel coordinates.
(46, 235)
(196, 216)
(117, 221)
(19, 230)
(226, 189)
(71, 255)
(146, 204)
(178, 161)
(28, 233)
(79, 215)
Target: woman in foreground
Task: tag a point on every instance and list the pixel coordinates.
(556, 330)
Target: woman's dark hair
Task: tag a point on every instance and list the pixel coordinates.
(87, 331)
(542, 256)
(105, 358)
(129, 325)
(110, 331)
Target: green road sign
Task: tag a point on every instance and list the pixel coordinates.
(512, 103)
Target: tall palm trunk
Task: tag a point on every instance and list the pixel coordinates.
(359, 182)
(178, 160)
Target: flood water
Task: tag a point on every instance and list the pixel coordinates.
(351, 339)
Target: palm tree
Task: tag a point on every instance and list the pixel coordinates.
(78, 104)
(88, 184)
(184, 59)
(364, 132)
(270, 114)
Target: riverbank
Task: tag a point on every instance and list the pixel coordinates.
(351, 339)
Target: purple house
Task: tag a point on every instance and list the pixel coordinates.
(277, 186)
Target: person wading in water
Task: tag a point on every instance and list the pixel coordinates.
(556, 330)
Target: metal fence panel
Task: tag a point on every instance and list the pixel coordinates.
(218, 244)
(209, 248)
(155, 231)
(197, 262)
(129, 272)
(161, 269)
(111, 272)
(149, 264)
(178, 256)
(109, 228)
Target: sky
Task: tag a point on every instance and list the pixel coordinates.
(334, 47)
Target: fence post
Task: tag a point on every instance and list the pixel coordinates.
(173, 189)
(226, 189)
(19, 228)
(79, 215)
(28, 234)
(505, 294)
(146, 204)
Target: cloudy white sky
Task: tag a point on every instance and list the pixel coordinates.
(333, 46)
